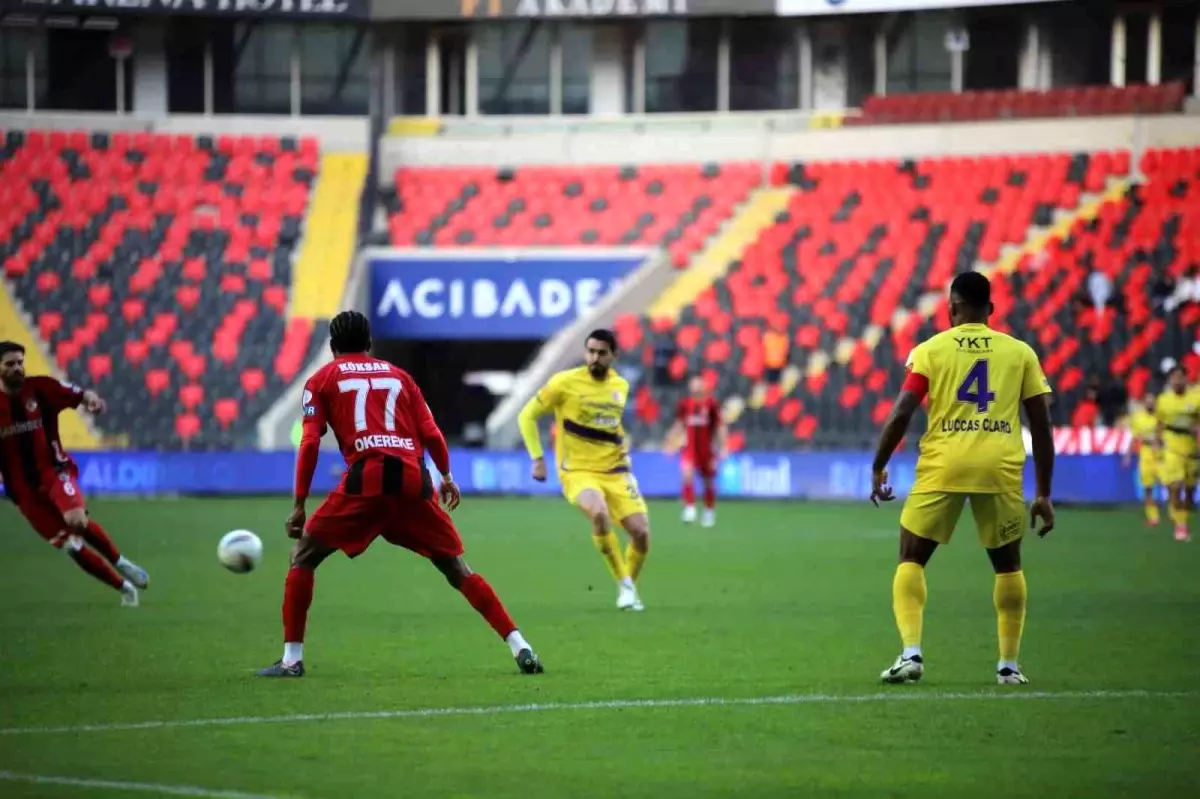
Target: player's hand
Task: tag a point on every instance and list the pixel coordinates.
(880, 490)
(1042, 508)
(294, 526)
(449, 492)
(539, 470)
(92, 402)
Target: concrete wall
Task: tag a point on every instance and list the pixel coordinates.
(698, 138)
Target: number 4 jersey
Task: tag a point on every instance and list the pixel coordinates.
(381, 423)
(976, 380)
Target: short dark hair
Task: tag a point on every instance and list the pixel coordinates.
(10, 346)
(350, 332)
(605, 335)
(974, 289)
(1176, 368)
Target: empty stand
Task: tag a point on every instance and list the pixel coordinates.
(938, 107)
(678, 207)
(157, 267)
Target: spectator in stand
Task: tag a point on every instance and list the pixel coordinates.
(1099, 289)
(1087, 413)
(1163, 290)
(775, 353)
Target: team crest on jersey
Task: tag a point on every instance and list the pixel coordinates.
(31, 406)
(617, 397)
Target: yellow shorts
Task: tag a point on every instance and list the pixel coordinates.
(1175, 467)
(620, 491)
(999, 518)
(1148, 467)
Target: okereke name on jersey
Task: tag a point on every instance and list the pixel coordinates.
(383, 442)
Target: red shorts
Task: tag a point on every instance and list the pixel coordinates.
(350, 523)
(703, 463)
(44, 509)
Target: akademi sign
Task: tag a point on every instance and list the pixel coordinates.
(566, 9)
(228, 8)
(804, 8)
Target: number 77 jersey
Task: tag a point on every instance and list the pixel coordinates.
(380, 421)
(977, 380)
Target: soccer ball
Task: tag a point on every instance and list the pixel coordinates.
(240, 551)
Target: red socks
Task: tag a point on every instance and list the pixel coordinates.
(710, 494)
(297, 596)
(689, 493)
(100, 542)
(484, 600)
(97, 566)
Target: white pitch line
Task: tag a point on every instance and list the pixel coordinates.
(613, 704)
(121, 785)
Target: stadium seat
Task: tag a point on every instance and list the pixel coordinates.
(129, 263)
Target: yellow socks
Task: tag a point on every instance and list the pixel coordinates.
(1152, 513)
(636, 559)
(1010, 596)
(908, 603)
(610, 548)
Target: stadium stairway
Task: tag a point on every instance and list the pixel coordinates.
(711, 263)
(327, 249)
(74, 429)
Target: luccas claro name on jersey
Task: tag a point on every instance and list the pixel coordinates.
(383, 442)
(434, 298)
(976, 425)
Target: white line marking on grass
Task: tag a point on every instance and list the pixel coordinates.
(121, 785)
(614, 704)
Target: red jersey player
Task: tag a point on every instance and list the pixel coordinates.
(384, 428)
(698, 417)
(42, 479)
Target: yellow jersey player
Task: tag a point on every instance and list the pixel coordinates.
(977, 380)
(1143, 430)
(593, 461)
(1178, 413)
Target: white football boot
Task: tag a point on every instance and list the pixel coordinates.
(689, 514)
(910, 669)
(129, 595)
(627, 596)
(708, 518)
(1007, 675)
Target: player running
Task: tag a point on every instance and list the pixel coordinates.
(977, 380)
(699, 429)
(593, 462)
(1178, 412)
(384, 428)
(1143, 430)
(43, 480)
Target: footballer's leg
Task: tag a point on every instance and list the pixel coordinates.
(625, 503)
(591, 501)
(307, 555)
(90, 531)
(926, 521)
(479, 593)
(687, 472)
(47, 521)
(1147, 469)
(1001, 520)
(709, 478)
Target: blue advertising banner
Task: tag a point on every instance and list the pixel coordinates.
(524, 296)
(1093, 479)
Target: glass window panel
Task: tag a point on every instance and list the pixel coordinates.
(262, 81)
(514, 67)
(577, 69)
(917, 59)
(764, 65)
(681, 65)
(334, 69)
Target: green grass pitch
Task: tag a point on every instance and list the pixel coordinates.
(780, 600)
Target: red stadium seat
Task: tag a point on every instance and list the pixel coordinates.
(226, 412)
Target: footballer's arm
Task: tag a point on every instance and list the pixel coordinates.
(1041, 434)
(434, 442)
(527, 421)
(895, 427)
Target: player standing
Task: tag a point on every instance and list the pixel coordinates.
(43, 480)
(1143, 430)
(593, 462)
(976, 379)
(384, 428)
(700, 430)
(1178, 413)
